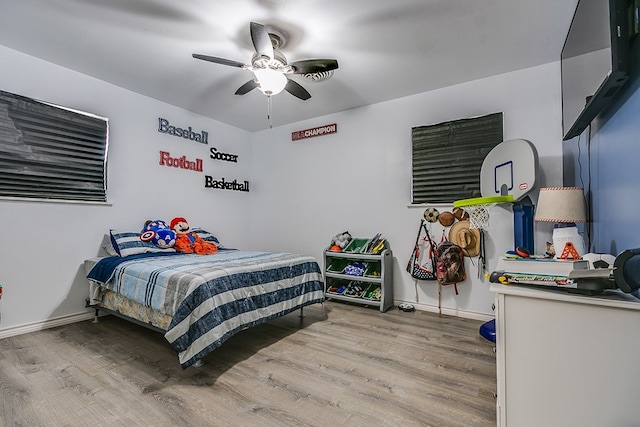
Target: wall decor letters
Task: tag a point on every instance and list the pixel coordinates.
(217, 155)
(221, 184)
(180, 162)
(318, 131)
(186, 133)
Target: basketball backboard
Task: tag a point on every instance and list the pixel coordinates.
(509, 169)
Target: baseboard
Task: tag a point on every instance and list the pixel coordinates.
(79, 317)
(46, 324)
(449, 311)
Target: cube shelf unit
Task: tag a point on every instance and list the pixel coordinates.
(384, 259)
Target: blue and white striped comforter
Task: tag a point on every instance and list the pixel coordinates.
(212, 297)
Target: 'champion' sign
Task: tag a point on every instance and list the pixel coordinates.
(310, 133)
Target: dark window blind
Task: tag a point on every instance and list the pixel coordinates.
(48, 152)
(447, 158)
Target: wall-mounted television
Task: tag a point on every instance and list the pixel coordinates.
(594, 62)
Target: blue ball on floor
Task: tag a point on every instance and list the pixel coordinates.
(488, 330)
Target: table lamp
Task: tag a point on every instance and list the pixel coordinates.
(565, 206)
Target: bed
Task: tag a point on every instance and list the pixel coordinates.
(199, 301)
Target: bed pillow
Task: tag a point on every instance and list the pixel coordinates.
(128, 243)
(109, 249)
(205, 235)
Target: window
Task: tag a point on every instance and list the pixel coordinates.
(49, 152)
(447, 158)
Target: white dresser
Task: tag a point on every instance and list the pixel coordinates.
(565, 359)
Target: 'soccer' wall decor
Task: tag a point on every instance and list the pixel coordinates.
(217, 155)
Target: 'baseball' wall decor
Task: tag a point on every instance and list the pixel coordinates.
(186, 133)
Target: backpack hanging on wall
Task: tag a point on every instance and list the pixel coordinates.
(449, 264)
(422, 263)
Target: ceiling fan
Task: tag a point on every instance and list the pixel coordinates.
(270, 67)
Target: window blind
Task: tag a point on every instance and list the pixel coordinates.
(49, 152)
(447, 158)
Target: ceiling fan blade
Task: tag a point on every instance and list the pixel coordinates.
(261, 40)
(222, 61)
(247, 87)
(296, 90)
(314, 66)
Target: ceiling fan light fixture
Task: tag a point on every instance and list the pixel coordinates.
(319, 76)
(278, 62)
(270, 82)
(270, 67)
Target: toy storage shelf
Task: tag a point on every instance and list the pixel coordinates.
(382, 262)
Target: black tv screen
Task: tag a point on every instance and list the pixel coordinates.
(594, 62)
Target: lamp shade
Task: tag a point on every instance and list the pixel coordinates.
(561, 205)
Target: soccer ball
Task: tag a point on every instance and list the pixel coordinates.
(431, 214)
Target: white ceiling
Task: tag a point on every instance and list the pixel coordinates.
(385, 49)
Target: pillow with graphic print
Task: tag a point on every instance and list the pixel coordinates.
(205, 235)
(128, 243)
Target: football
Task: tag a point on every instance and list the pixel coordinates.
(460, 214)
(431, 214)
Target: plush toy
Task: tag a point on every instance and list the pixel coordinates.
(188, 241)
(159, 233)
(340, 241)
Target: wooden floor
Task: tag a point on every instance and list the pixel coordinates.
(344, 365)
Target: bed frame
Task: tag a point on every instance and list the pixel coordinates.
(227, 299)
(148, 325)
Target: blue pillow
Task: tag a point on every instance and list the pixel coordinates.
(128, 243)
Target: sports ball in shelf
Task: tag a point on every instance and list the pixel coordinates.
(431, 214)
(460, 214)
(446, 218)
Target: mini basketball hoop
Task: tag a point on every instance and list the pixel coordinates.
(479, 209)
(507, 175)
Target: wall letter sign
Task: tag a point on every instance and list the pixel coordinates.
(180, 162)
(186, 133)
(217, 155)
(221, 184)
(310, 133)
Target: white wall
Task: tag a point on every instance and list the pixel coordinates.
(44, 244)
(359, 179)
(302, 193)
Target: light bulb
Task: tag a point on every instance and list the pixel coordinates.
(270, 82)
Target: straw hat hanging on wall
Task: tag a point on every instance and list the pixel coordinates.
(466, 237)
